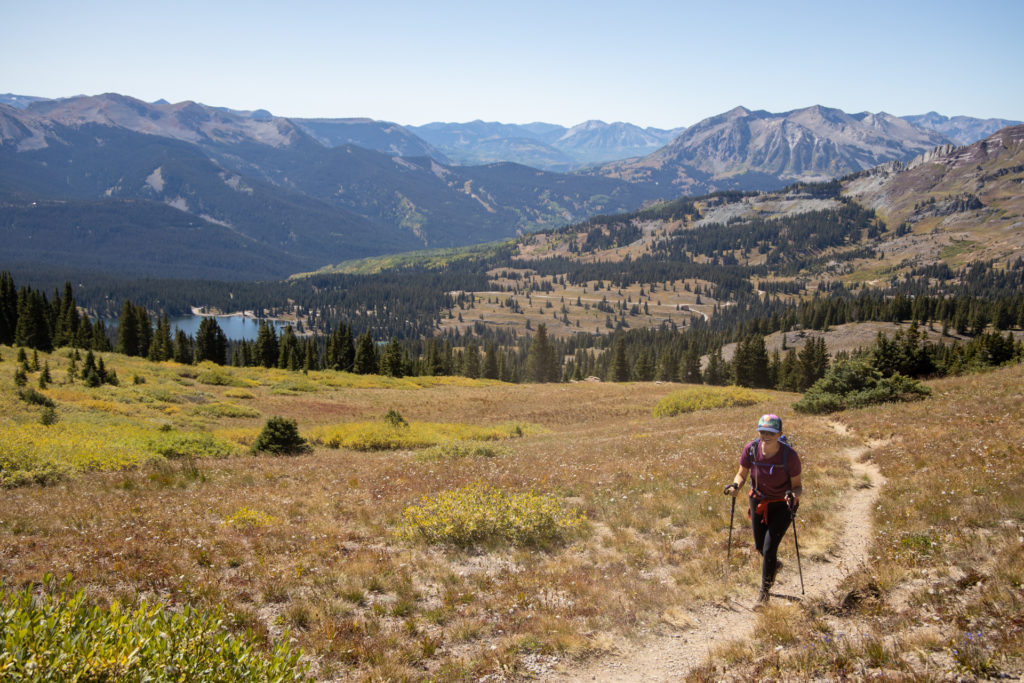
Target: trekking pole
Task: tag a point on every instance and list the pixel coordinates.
(728, 553)
(792, 516)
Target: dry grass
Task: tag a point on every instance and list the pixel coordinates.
(308, 543)
(943, 592)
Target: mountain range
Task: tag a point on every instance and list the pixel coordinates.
(190, 190)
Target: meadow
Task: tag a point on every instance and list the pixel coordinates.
(502, 529)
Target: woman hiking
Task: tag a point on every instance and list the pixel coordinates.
(775, 490)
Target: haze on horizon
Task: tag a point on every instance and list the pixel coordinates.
(662, 64)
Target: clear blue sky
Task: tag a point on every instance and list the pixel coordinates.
(654, 63)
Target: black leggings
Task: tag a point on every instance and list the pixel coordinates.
(767, 537)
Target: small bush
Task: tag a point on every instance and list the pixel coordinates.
(481, 514)
(706, 398)
(281, 437)
(247, 518)
(395, 419)
(172, 444)
(855, 384)
(59, 637)
(239, 393)
(48, 416)
(33, 397)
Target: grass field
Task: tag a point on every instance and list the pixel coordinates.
(612, 520)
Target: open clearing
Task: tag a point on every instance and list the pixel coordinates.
(310, 543)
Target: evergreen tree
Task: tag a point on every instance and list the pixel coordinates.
(366, 362)
(8, 308)
(691, 366)
(490, 368)
(471, 362)
(620, 365)
(128, 330)
(541, 363)
(715, 373)
(391, 362)
(266, 350)
(99, 341)
(750, 364)
(183, 352)
(32, 329)
(287, 348)
(668, 366)
(161, 348)
(211, 342)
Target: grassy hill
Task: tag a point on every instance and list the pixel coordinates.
(616, 527)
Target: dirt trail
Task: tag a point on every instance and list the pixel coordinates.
(671, 657)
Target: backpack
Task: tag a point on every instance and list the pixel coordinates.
(752, 454)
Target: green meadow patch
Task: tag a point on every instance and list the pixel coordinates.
(707, 398)
(482, 514)
(58, 636)
(384, 436)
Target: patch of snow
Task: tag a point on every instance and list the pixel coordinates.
(178, 203)
(156, 179)
(407, 164)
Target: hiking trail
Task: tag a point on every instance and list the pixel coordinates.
(671, 657)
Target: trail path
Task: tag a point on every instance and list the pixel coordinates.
(671, 657)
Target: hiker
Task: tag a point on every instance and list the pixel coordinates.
(774, 492)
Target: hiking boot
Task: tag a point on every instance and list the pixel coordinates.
(763, 595)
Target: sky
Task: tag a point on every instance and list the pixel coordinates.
(652, 63)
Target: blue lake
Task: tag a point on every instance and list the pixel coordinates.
(235, 326)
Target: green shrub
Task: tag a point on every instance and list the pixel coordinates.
(706, 398)
(855, 384)
(59, 637)
(281, 437)
(225, 410)
(481, 514)
(394, 418)
(172, 444)
(33, 397)
(48, 416)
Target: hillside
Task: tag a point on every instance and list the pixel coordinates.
(961, 203)
(268, 181)
(337, 545)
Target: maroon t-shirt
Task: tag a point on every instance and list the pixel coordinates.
(770, 477)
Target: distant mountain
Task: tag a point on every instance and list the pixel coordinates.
(962, 130)
(967, 199)
(382, 136)
(542, 145)
(746, 149)
(18, 101)
(293, 201)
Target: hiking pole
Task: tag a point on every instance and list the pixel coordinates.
(728, 553)
(792, 516)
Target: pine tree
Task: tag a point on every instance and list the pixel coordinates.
(287, 347)
(620, 365)
(366, 362)
(211, 342)
(183, 352)
(471, 362)
(266, 349)
(490, 368)
(128, 330)
(8, 308)
(32, 329)
(391, 362)
(541, 362)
